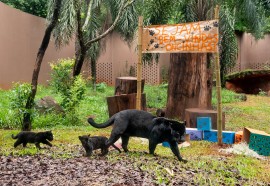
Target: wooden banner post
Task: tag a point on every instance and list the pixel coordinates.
(139, 65)
(218, 89)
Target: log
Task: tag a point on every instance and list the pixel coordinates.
(126, 85)
(191, 115)
(123, 102)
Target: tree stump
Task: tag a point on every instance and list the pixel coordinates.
(123, 102)
(126, 85)
(125, 95)
(191, 115)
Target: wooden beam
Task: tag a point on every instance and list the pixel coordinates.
(139, 65)
(218, 88)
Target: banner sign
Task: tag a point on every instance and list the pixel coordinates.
(197, 37)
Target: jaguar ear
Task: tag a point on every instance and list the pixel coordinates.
(158, 120)
(88, 135)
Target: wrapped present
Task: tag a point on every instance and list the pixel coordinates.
(194, 134)
(204, 123)
(258, 141)
(165, 144)
(228, 137)
(238, 137)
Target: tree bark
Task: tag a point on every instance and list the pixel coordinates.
(81, 50)
(41, 52)
(190, 84)
(94, 73)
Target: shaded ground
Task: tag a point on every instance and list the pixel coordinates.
(249, 81)
(41, 170)
(44, 170)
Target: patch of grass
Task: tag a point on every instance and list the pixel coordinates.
(156, 95)
(253, 113)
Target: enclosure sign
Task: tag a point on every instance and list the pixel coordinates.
(197, 37)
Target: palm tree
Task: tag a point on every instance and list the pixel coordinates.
(84, 20)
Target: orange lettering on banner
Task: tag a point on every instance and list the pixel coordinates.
(193, 37)
(172, 38)
(197, 27)
(160, 39)
(184, 29)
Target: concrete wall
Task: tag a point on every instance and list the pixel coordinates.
(253, 54)
(20, 37)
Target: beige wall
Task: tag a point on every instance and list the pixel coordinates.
(253, 54)
(20, 37)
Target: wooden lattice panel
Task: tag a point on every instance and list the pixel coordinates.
(150, 73)
(259, 66)
(104, 73)
(236, 68)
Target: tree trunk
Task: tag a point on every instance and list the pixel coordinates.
(81, 50)
(94, 73)
(43, 47)
(79, 62)
(190, 84)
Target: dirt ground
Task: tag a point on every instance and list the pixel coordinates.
(42, 170)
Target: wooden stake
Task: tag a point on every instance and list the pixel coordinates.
(218, 88)
(139, 65)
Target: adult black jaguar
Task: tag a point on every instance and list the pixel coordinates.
(143, 124)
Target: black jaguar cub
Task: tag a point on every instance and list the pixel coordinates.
(95, 142)
(25, 137)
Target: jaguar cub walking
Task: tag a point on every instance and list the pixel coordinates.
(95, 142)
(25, 137)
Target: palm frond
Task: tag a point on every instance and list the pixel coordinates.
(65, 29)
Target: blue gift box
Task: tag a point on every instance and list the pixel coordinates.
(204, 123)
(165, 144)
(228, 137)
(194, 134)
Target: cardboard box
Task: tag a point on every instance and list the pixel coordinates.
(194, 134)
(247, 131)
(204, 123)
(228, 137)
(258, 141)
